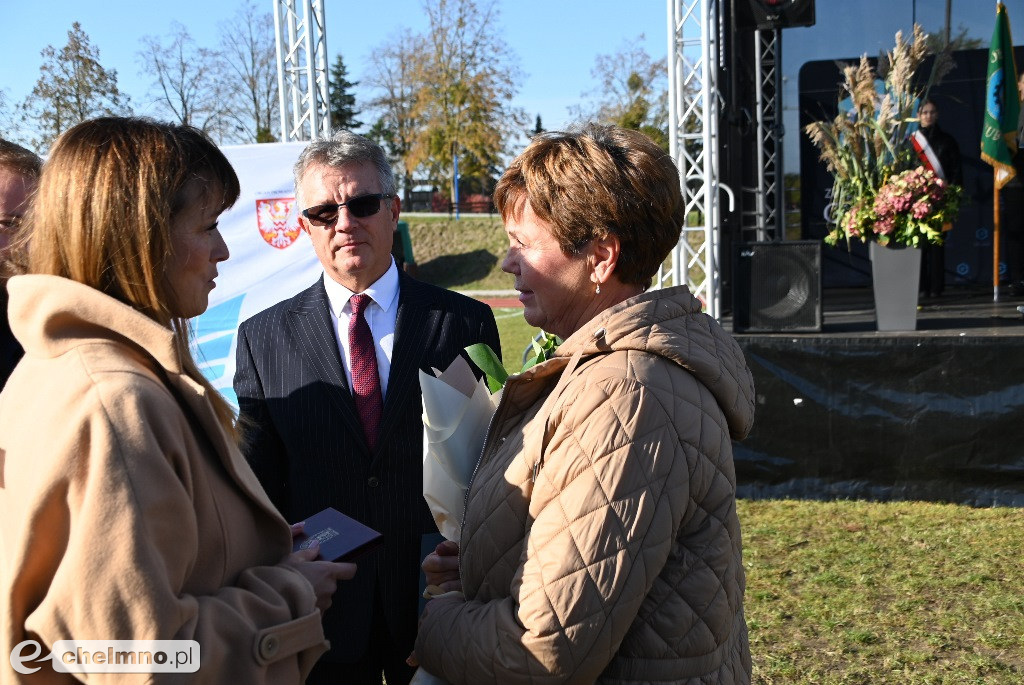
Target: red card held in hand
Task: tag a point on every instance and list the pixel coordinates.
(341, 537)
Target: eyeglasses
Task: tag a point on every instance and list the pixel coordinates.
(360, 207)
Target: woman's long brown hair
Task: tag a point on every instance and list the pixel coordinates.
(102, 215)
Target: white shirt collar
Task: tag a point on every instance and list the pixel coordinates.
(383, 291)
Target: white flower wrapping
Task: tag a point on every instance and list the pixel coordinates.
(457, 409)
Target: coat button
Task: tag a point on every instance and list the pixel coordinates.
(269, 646)
(373, 481)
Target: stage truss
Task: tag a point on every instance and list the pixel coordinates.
(694, 43)
(769, 200)
(696, 59)
(302, 75)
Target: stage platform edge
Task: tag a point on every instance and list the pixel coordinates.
(935, 414)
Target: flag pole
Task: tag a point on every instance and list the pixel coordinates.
(995, 237)
(1002, 119)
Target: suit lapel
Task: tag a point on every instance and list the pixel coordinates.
(415, 327)
(313, 328)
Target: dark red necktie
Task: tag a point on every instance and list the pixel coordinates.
(365, 380)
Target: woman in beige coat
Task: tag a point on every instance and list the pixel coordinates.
(600, 542)
(126, 508)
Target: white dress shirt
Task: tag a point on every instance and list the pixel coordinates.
(381, 315)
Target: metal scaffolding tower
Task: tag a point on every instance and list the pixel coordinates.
(770, 203)
(302, 76)
(694, 58)
(767, 46)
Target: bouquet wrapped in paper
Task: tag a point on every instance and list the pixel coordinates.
(457, 409)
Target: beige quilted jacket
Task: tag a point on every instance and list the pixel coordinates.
(601, 542)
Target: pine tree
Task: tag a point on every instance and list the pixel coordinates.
(73, 86)
(342, 102)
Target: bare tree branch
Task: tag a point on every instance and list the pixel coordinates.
(249, 67)
(186, 81)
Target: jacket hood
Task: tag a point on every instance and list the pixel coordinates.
(46, 318)
(669, 323)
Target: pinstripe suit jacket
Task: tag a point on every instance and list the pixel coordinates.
(306, 444)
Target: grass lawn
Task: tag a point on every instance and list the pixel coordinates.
(461, 255)
(906, 592)
(845, 592)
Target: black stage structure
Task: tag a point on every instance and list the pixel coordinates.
(845, 411)
(848, 412)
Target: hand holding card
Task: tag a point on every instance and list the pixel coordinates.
(341, 537)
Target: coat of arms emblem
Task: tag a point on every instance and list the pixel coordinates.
(278, 226)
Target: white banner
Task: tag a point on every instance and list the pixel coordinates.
(271, 258)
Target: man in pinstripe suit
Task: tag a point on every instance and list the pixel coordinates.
(305, 438)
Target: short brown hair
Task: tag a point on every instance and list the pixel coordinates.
(595, 180)
(19, 159)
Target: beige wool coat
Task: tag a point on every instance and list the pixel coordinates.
(601, 542)
(122, 515)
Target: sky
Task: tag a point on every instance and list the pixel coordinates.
(557, 41)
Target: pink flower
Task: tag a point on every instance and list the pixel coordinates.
(884, 226)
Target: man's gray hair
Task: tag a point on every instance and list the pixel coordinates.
(343, 148)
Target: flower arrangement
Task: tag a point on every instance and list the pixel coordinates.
(878, 193)
(914, 205)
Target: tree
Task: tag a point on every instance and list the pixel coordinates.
(467, 80)
(393, 76)
(342, 102)
(961, 40)
(73, 86)
(249, 66)
(186, 80)
(538, 128)
(6, 119)
(633, 91)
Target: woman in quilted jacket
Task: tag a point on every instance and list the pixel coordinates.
(601, 542)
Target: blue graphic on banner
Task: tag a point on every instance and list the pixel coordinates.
(215, 333)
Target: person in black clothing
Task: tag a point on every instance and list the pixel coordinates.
(19, 171)
(938, 151)
(1011, 213)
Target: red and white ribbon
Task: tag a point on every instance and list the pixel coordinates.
(926, 154)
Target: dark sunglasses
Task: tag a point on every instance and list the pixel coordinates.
(360, 207)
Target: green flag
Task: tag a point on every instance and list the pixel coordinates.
(1002, 102)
